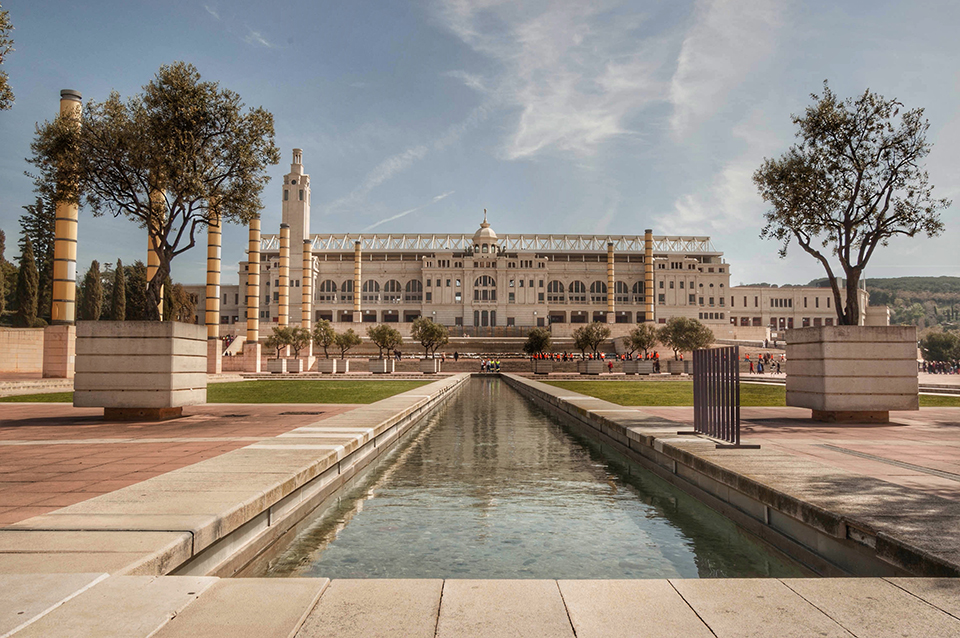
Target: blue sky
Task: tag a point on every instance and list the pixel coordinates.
(557, 117)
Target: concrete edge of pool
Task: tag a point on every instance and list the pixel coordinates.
(836, 522)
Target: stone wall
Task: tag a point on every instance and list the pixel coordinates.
(22, 350)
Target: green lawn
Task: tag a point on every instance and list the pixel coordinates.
(274, 392)
(666, 393)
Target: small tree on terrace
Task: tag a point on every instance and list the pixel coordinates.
(590, 337)
(643, 337)
(180, 156)
(684, 335)
(324, 336)
(346, 340)
(430, 335)
(538, 341)
(300, 338)
(854, 181)
(940, 346)
(384, 337)
(280, 339)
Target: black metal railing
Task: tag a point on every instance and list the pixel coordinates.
(716, 393)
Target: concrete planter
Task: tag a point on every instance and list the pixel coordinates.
(591, 366)
(382, 366)
(637, 366)
(678, 367)
(343, 366)
(327, 366)
(277, 366)
(542, 366)
(429, 366)
(294, 366)
(853, 373)
(140, 369)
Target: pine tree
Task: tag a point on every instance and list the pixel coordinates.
(40, 225)
(27, 286)
(91, 303)
(118, 298)
(8, 278)
(136, 276)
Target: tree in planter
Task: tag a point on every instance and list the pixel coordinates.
(384, 337)
(324, 336)
(346, 340)
(279, 340)
(538, 341)
(180, 156)
(91, 301)
(27, 284)
(430, 335)
(643, 337)
(684, 335)
(118, 296)
(852, 183)
(300, 338)
(590, 337)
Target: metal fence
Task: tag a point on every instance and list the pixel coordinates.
(716, 393)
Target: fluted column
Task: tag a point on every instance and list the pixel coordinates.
(306, 285)
(283, 311)
(648, 289)
(357, 282)
(64, 308)
(611, 286)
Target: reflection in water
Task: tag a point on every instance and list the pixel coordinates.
(492, 487)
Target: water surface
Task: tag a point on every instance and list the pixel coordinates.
(492, 487)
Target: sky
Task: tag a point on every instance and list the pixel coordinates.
(557, 117)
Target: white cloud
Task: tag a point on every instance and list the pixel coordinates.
(574, 70)
(436, 199)
(212, 11)
(255, 38)
(728, 40)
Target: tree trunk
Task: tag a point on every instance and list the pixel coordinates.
(154, 296)
(852, 312)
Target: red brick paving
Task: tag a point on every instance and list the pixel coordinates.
(49, 472)
(929, 438)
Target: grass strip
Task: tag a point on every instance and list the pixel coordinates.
(304, 391)
(680, 393)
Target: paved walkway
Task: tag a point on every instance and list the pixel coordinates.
(53, 455)
(919, 450)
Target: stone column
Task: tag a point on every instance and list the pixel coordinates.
(153, 259)
(306, 285)
(212, 315)
(357, 283)
(59, 339)
(648, 289)
(611, 286)
(283, 312)
(251, 348)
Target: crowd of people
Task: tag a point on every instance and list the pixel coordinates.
(940, 367)
(765, 362)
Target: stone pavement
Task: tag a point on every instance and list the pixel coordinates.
(918, 450)
(190, 606)
(53, 455)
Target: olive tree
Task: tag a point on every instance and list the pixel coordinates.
(853, 181)
(682, 334)
(300, 338)
(643, 337)
(590, 337)
(324, 336)
(940, 346)
(538, 341)
(384, 337)
(280, 339)
(430, 335)
(180, 156)
(346, 340)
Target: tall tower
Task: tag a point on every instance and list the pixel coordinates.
(296, 214)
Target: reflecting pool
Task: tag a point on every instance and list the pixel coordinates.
(491, 486)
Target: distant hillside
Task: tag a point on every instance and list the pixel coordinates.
(924, 302)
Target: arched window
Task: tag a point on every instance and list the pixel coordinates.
(638, 292)
(598, 292)
(346, 290)
(622, 292)
(414, 292)
(578, 292)
(485, 249)
(371, 291)
(485, 289)
(326, 291)
(555, 292)
(392, 291)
